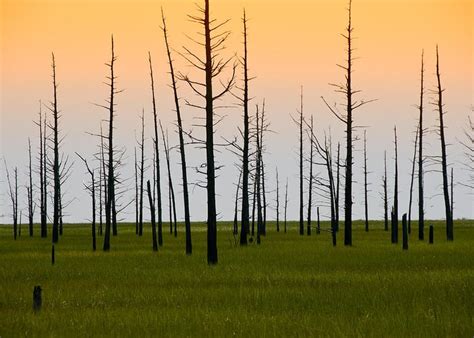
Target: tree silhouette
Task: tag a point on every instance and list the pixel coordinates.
(91, 189)
(310, 178)
(286, 206)
(385, 192)
(421, 211)
(346, 118)
(366, 199)
(29, 190)
(152, 213)
(395, 189)
(172, 199)
(56, 169)
(13, 194)
(277, 202)
(42, 172)
(187, 217)
(444, 162)
(141, 173)
(212, 66)
(412, 179)
(235, 229)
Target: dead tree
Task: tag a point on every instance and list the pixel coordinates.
(137, 193)
(110, 210)
(212, 66)
(395, 189)
(299, 123)
(42, 172)
(412, 179)
(152, 215)
(103, 180)
(346, 118)
(56, 159)
(29, 190)
(338, 166)
(13, 194)
(263, 127)
(277, 202)
(91, 189)
(172, 199)
(421, 211)
(141, 173)
(187, 217)
(326, 185)
(235, 230)
(258, 178)
(310, 179)
(157, 154)
(444, 162)
(468, 145)
(366, 199)
(385, 192)
(246, 142)
(286, 205)
(452, 192)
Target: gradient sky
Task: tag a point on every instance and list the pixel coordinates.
(291, 43)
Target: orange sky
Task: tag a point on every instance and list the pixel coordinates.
(291, 43)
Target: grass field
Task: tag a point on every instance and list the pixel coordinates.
(290, 285)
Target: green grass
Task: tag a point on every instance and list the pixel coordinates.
(290, 285)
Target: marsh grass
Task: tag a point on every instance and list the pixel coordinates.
(290, 285)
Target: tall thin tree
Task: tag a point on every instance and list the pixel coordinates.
(366, 190)
(444, 162)
(187, 216)
(421, 211)
(213, 66)
(31, 205)
(413, 163)
(395, 188)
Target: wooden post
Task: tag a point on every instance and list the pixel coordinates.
(431, 240)
(405, 232)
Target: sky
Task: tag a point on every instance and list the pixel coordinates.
(291, 44)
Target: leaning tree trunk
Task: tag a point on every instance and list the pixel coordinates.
(310, 182)
(444, 161)
(412, 180)
(157, 157)
(187, 217)
(152, 213)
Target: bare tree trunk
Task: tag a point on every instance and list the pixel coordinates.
(421, 212)
(152, 212)
(56, 169)
(91, 189)
(385, 192)
(42, 169)
(30, 192)
(245, 154)
(235, 229)
(366, 199)
(412, 180)
(310, 182)
(157, 154)
(277, 202)
(173, 221)
(141, 172)
(258, 178)
(452, 194)
(212, 65)
(187, 217)
(395, 189)
(110, 216)
(262, 170)
(300, 126)
(444, 161)
(137, 206)
(13, 194)
(337, 186)
(286, 204)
